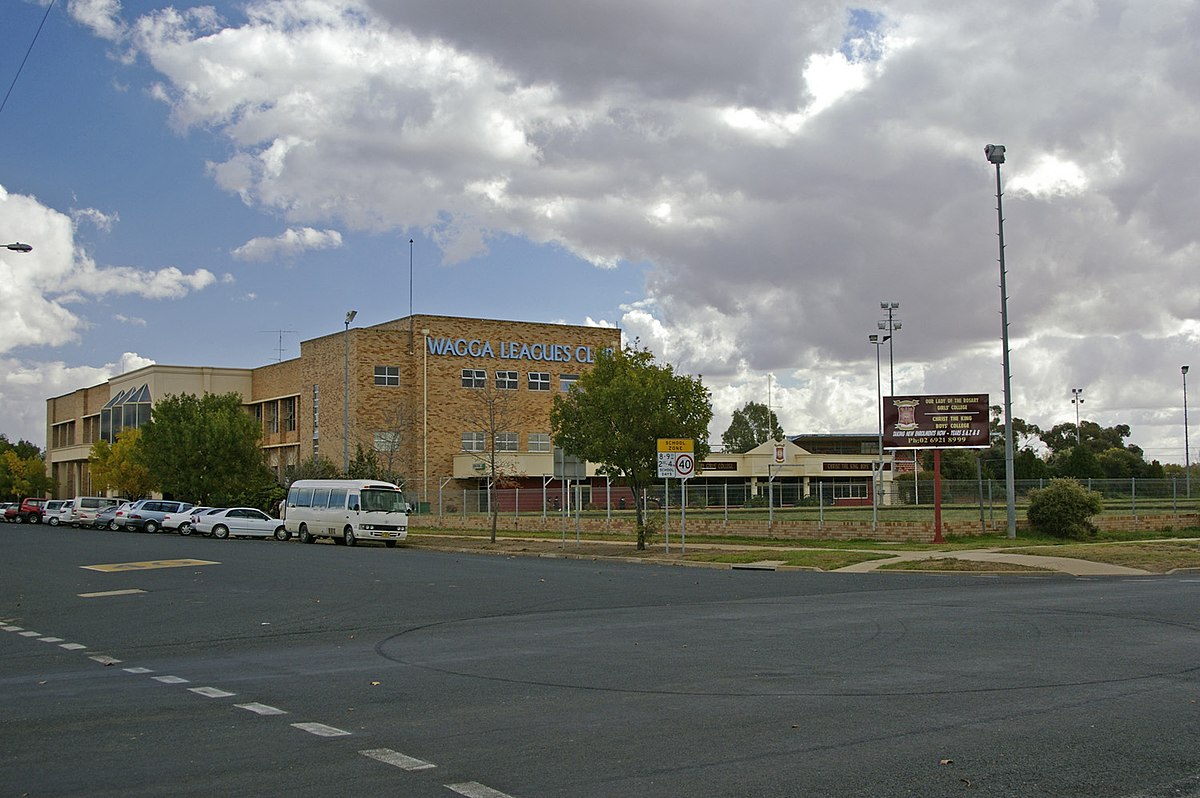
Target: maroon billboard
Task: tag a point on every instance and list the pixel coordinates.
(953, 421)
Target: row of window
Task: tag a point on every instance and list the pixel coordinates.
(282, 410)
(505, 442)
(477, 378)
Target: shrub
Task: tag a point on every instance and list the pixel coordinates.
(1063, 509)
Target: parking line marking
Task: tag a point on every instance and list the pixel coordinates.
(50, 639)
(170, 679)
(473, 789)
(137, 670)
(104, 659)
(12, 628)
(31, 634)
(106, 593)
(320, 729)
(72, 646)
(211, 692)
(261, 709)
(147, 565)
(397, 759)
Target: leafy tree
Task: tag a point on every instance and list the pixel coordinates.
(21, 477)
(618, 411)
(206, 449)
(120, 467)
(751, 425)
(368, 465)
(1064, 509)
(315, 467)
(1061, 437)
(1079, 462)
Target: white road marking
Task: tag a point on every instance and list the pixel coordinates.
(170, 679)
(261, 709)
(211, 692)
(50, 639)
(11, 628)
(72, 646)
(31, 634)
(473, 789)
(320, 729)
(397, 759)
(104, 659)
(106, 593)
(137, 670)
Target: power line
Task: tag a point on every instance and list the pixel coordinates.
(36, 33)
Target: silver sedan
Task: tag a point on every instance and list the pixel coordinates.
(239, 522)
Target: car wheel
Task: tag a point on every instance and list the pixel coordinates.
(282, 534)
(185, 529)
(53, 522)
(391, 544)
(220, 531)
(113, 525)
(34, 518)
(349, 537)
(151, 527)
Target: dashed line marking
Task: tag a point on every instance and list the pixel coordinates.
(397, 759)
(473, 789)
(211, 692)
(31, 634)
(137, 670)
(320, 729)
(170, 679)
(104, 659)
(106, 593)
(12, 628)
(261, 709)
(50, 639)
(73, 646)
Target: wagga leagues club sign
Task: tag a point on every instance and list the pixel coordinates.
(510, 350)
(954, 421)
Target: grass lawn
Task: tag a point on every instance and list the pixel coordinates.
(823, 559)
(955, 564)
(1156, 556)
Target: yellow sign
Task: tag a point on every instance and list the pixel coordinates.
(676, 445)
(148, 565)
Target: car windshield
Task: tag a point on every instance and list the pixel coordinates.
(388, 501)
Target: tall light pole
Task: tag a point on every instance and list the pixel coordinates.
(1077, 401)
(1187, 458)
(891, 324)
(995, 155)
(346, 393)
(410, 297)
(878, 482)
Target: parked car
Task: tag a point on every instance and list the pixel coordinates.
(85, 508)
(239, 522)
(4, 511)
(182, 522)
(146, 515)
(54, 509)
(112, 517)
(28, 511)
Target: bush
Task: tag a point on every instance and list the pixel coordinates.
(1063, 509)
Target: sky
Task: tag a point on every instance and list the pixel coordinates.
(737, 186)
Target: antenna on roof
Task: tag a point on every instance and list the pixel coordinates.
(279, 349)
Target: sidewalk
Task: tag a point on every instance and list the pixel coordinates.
(1066, 565)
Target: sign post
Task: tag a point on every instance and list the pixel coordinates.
(677, 460)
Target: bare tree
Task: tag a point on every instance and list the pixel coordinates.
(492, 415)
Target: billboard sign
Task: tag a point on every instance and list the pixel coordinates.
(948, 421)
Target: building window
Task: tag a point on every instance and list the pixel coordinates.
(539, 380)
(387, 441)
(127, 410)
(474, 378)
(473, 441)
(387, 375)
(850, 490)
(506, 441)
(539, 441)
(316, 413)
(506, 380)
(567, 380)
(289, 414)
(273, 418)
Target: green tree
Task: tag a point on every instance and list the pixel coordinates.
(618, 411)
(22, 477)
(206, 449)
(751, 425)
(1064, 509)
(120, 466)
(1078, 462)
(315, 467)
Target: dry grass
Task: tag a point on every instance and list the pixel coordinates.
(1158, 556)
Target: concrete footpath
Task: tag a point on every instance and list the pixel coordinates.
(1068, 565)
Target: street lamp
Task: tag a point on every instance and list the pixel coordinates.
(878, 342)
(891, 324)
(1187, 459)
(18, 247)
(995, 155)
(1077, 401)
(346, 393)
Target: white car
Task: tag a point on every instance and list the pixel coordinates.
(181, 521)
(239, 522)
(55, 511)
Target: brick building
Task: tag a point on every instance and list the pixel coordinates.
(426, 393)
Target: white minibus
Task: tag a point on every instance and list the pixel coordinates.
(347, 510)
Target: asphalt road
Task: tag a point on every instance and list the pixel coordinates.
(434, 674)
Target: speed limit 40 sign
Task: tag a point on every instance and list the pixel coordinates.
(676, 459)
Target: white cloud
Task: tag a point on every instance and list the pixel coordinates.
(288, 244)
